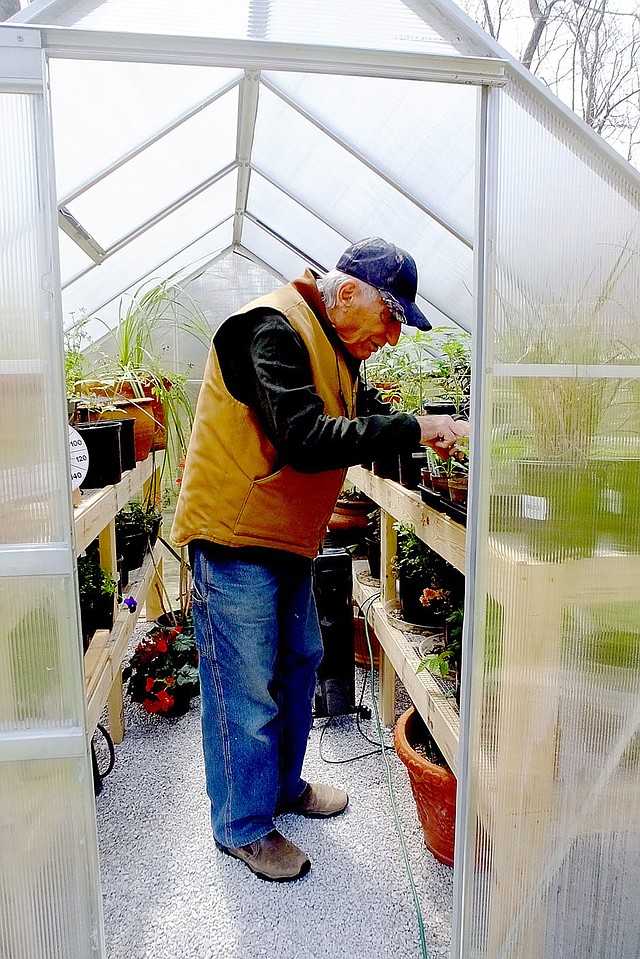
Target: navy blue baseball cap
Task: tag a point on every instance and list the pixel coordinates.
(389, 269)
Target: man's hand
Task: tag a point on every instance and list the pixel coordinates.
(441, 433)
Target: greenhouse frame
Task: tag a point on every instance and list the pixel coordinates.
(166, 140)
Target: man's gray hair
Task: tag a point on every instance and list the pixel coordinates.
(330, 283)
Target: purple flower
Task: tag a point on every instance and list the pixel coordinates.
(131, 604)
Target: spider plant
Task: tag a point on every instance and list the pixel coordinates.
(128, 363)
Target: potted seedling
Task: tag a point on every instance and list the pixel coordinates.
(137, 528)
(419, 568)
(97, 590)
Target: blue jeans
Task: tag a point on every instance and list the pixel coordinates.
(260, 645)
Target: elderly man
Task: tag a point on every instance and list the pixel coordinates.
(281, 415)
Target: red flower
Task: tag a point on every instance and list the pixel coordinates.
(150, 683)
(161, 646)
(170, 680)
(151, 705)
(165, 700)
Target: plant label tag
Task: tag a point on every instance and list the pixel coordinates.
(78, 457)
(612, 501)
(533, 507)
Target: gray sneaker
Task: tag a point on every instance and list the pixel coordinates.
(273, 858)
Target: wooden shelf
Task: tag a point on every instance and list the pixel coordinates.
(103, 658)
(400, 656)
(438, 531)
(98, 508)
(94, 517)
(438, 711)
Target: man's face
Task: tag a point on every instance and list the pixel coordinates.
(363, 323)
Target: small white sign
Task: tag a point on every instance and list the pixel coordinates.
(533, 507)
(79, 456)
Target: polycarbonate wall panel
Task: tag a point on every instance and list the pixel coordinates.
(49, 910)
(32, 474)
(356, 202)
(421, 135)
(553, 835)
(102, 110)
(38, 680)
(49, 889)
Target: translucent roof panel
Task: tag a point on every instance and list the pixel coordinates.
(102, 111)
(162, 173)
(374, 24)
(421, 135)
(196, 256)
(272, 252)
(154, 249)
(303, 229)
(356, 202)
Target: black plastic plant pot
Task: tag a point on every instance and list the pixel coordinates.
(123, 572)
(103, 445)
(441, 408)
(413, 611)
(133, 547)
(127, 442)
(387, 467)
(410, 466)
(155, 531)
(373, 555)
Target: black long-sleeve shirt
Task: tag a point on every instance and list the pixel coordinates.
(265, 365)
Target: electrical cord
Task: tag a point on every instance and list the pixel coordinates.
(381, 747)
(394, 805)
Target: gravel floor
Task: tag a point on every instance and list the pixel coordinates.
(169, 894)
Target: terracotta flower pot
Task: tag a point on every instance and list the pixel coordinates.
(361, 648)
(458, 489)
(433, 787)
(351, 514)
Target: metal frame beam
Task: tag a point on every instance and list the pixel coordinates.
(331, 226)
(157, 218)
(242, 250)
(265, 55)
(247, 112)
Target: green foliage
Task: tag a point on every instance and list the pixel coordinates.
(419, 561)
(445, 657)
(75, 361)
(93, 580)
(137, 517)
(450, 377)
(431, 365)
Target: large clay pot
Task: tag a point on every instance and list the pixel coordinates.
(433, 787)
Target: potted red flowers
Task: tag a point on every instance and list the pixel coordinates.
(162, 674)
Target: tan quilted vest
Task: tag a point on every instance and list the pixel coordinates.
(231, 491)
